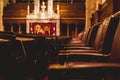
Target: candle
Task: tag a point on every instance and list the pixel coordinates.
(58, 9)
(28, 10)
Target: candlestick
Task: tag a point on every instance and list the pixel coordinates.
(28, 9)
(58, 9)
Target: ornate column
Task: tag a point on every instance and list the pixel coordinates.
(36, 7)
(1, 15)
(50, 7)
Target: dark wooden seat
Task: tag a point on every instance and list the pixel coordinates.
(96, 44)
(7, 35)
(102, 45)
(29, 54)
(31, 57)
(7, 60)
(90, 70)
(79, 48)
(52, 46)
(87, 37)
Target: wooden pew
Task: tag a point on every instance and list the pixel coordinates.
(102, 46)
(53, 45)
(7, 60)
(90, 70)
(86, 39)
(29, 54)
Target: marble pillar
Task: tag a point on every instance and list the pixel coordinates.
(1, 15)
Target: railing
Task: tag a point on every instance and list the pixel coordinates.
(68, 26)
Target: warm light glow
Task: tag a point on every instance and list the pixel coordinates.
(103, 1)
(28, 9)
(58, 9)
(53, 34)
(54, 28)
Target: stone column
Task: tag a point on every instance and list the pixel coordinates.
(91, 7)
(88, 14)
(1, 15)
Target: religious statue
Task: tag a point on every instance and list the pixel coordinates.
(47, 30)
(38, 29)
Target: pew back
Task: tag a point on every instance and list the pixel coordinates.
(115, 52)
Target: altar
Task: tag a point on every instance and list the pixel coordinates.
(43, 20)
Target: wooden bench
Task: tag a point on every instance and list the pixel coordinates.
(90, 70)
(102, 45)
